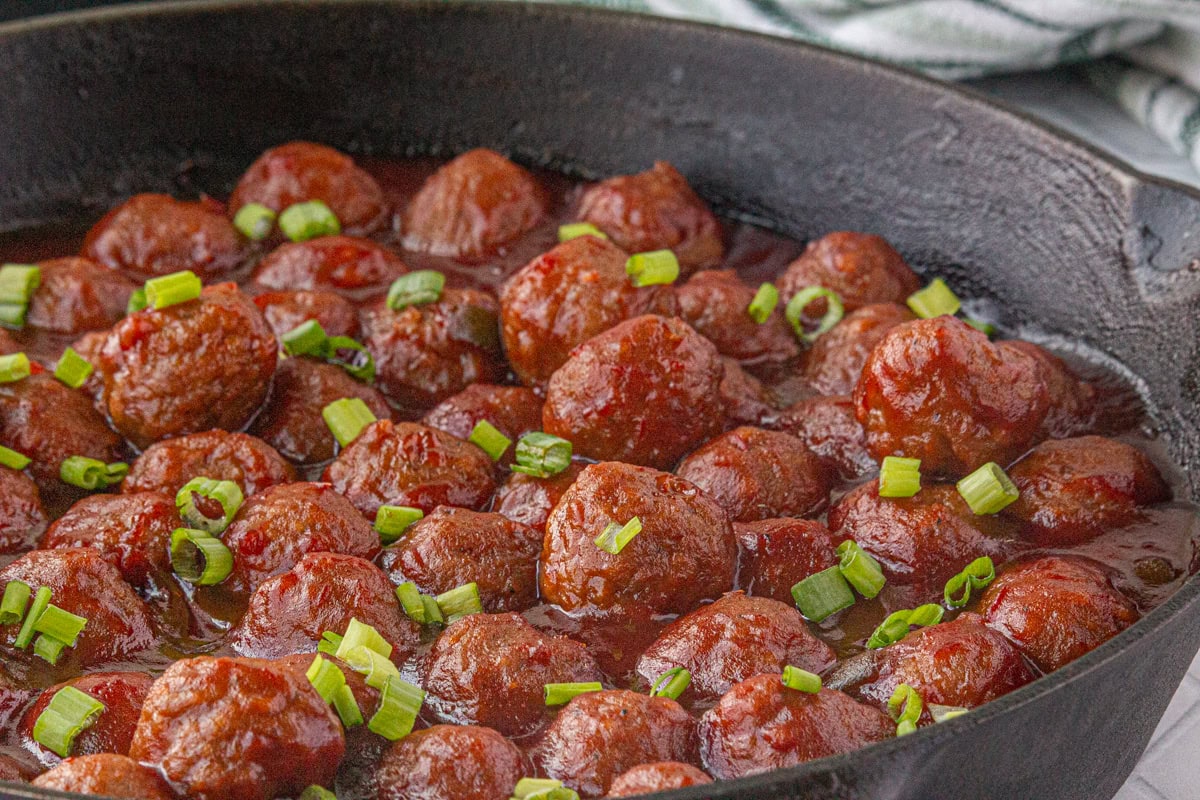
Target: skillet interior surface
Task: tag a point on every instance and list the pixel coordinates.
(181, 97)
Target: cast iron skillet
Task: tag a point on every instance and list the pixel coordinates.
(103, 104)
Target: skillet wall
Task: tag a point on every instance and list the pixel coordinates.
(120, 102)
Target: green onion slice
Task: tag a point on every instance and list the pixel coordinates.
(90, 473)
(255, 221)
(794, 311)
(40, 600)
(899, 477)
(460, 602)
(823, 594)
(200, 558)
(171, 290)
(905, 707)
(655, 268)
(377, 669)
(418, 288)
(360, 634)
(763, 304)
(346, 706)
(347, 418)
(69, 713)
(308, 220)
(73, 369)
(12, 605)
(18, 282)
(942, 713)
(487, 438)
(207, 504)
(420, 608)
(671, 683)
(137, 301)
(988, 489)
(13, 460)
(14, 368)
(926, 615)
(306, 339)
(896, 626)
(986, 328)
(325, 677)
(860, 569)
(352, 356)
(615, 537)
(398, 708)
(542, 789)
(315, 792)
(60, 624)
(558, 694)
(392, 521)
(329, 644)
(542, 454)
(48, 648)
(574, 230)
(977, 575)
(801, 680)
(12, 315)
(934, 300)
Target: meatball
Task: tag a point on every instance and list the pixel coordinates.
(512, 410)
(83, 583)
(529, 500)
(829, 428)
(715, 303)
(600, 735)
(776, 554)
(407, 464)
(190, 367)
(836, 359)
(292, 423)
(323, 592)
(1056, 608)
(761, 725)
(285, 311)
(660, 776)
(655, 210)
(300, 171)
(1072, 409)
(238, 729)
(1075, 489)
(77, 295)
(16, 771)
(733, 639)
(449, 762)
(454, 546)
(938, 390)
(280, 525)
(122, 694)
(106, 774)
(472, 206)
(759, 474)
(685, 553)
(339, 264)
(249, 462)
(22, 517)
(155, 234)
(861, 267)
(426, 353)
(491, 669)
(566, 296)
(747, 401)
(131, 531)
(645, 392)
(89, 347)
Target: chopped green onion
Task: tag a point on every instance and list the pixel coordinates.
(986, 328)
(18, 282)
(905, 707)
(346, 706)
(794, 311)
(942, 713)
(48, 648)
(359, 634)
(487, 438)
(558, 694)
(325, 677)
(977, 575)
(73, 369)
(377, 669)
(69, 713)
(542, 789)
(329, 643)
(255, 221)
(12, 315)
(137, 301)
(398, 708)
(574, 230)
(315, 792)
(347, 418)
(896, 626)
(12, 605)
(171, 290)
(307, 338)
(200, 558)
(926, 615)
(392, 521)
(615, 537)
(671, 683)
(420, 608)
(40, 600)
(763, 304)
(360, 364)
(822, 594)
(988, 489)
(655, 268)
(90, 473)
(418, 288)
(216, 497)
(934, 300)
(542, 454)
(60, 624)
(115, 472)
(860, 569)
(308, 220)
(13, 460)
(460, 602)
(899, 477)
(801, 680)
(14, 368)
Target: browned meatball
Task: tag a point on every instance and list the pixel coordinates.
(292, 421)
(249, 462)
(660, 776)
(106, 774)
(836, 359)
(938, 390)
(761, 725)
(1075, 489)
(747, 401)
(14, 770)
(22, 517)
(655, 210)
(715, 303)
(426, 353)
(300, 171)
(491, 669)
(284, 311)
(77, 295)
(861, 267)
(155, 234)
(529, 500)
(645, 392)
(83, 583)
(473, 206)
(122, 694)
(189, 367)
(454, 546)
(282, 524)
(1072, 401)
(759, 474)
(600, 735)
(1056, 608)
(131, 531)
(89, 347)
(406, 464)
(341, 264)
(512, 410)
(686, 552)
(776, 554)
(829, 428)
(566, 296)
(733, 639)
(449, 762)
(238, 729)
(323, 592)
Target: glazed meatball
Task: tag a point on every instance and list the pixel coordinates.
(660, 776)
(189, 367)
(323, 592)
(238, 729)
(733, 639)
(655, 210)
(339, 264)
(292, 422)
(89, 347)
(22, 517)
(759, 474)
(861, 267)
(405, 464)
(249, 462)
(77, 295)
(1056, 608)
(685, 553)
(761, 725)
(645, 392)
(449, 762)
(600, 735)
(1074, 489)
(566, 296)
(285, 311)
(512, 410)
(13, 770)
(715, 303)
(829, 428)
(155, 234)
(491, 669)
(776, 554)
(1072, 408)
(836, 359)
(131, 531)
(83, 583)
(106, 774)
(426, 353)
(300, 171)
(747, 401)
(280, 525)
(529, 500)
(454, 546)
(472, 206)
(122, 694)
(938, 390)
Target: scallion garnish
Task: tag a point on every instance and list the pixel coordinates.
(13, 460)
(255, 221)
(306, 339)
(347, 418)
(352, 356)
(329, 644)
(399, 705)
(860, 569)
(69, 713)
(794, 311)
(377, 669)
(487, 438)
(200, 558)
(90, 473)
(171, 290)
(418, 288)
(208, 504)
(41, 599)
(18, 282)
(61, 625)
(896, 626)
(72, 369)
(346, 706)
(542, 789)
(942, 713)
(137, 301)
(48, 648)
(977, 575)
(308, 220)
(360, 634)
(315, 792)
(905, 706)
(12, 605)
(461, 601)
(934, 300)
(542, 454)
(801, 680)
(823, 594)
(14, 368)
(655, 268)
(988, 489)
(558, 694)
(420, 608)
(899, 477)
(325, 677)
(763, 304)
(392, 521)
(986, 328)
(574, 230)
(615, 537)
(671, 683)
